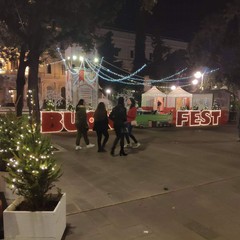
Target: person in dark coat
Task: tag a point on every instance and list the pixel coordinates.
(101, 126)
(119, 118)
(82, 125)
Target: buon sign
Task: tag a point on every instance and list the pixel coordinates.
(54, 122)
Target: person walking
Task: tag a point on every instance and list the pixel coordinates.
(119, 118)
(82, 125)
(131, 117)
(159, 104)
(101, 126)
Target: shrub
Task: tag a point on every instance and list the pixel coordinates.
(10, 128)
(32, 169)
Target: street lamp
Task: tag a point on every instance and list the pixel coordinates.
(199, 75)
(108, 91)
(81, 58)
(194, 81)
(96, 60)
(11, 92)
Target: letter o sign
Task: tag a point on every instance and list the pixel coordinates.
(91, 120)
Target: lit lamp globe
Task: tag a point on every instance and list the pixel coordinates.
(198, 74)
(194, 81)
(96, 60)
(108, 91)
(173, 87)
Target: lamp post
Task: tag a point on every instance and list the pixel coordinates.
(194, 81)
(11, 92)
(108, 91)
(199, 75)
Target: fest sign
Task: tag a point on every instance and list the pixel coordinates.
(194, 118)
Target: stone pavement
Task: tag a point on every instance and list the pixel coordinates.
(180, 184)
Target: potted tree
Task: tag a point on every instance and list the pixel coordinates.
(10, 128)
(39, 212)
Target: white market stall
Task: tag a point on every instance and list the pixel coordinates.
(153, 99)
(202, 101)
(179, 99)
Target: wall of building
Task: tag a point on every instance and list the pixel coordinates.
(126, 42)
(52, 76)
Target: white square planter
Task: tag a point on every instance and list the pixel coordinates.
(42, 225)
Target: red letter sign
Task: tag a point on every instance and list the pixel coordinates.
(69, 121)
(51, 122)
(197, 118)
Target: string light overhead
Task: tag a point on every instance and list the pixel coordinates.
(106, 74)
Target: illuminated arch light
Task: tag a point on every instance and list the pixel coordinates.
(27, 71)
(96, 60)
(108, 91)
(81, 58)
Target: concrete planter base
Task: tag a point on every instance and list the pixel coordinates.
(44, 225)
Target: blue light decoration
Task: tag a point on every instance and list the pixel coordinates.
(126, 78)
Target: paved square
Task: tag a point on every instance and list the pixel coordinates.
(180, 184)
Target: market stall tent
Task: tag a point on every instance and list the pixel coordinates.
(202, 101)
(212, 99)
(153, 99)
(179, 99)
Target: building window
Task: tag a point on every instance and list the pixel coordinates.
(63, 69)
(49, 93)
(131, 54)
(49, 69)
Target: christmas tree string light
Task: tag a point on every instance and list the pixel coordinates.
(29, 159)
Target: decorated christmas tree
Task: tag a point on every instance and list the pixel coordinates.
(10, 128)
(32, 169)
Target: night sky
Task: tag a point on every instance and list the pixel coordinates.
(178, 19)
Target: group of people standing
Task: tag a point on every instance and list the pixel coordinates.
(122, 123)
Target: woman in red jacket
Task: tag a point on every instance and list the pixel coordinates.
(131, 116)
